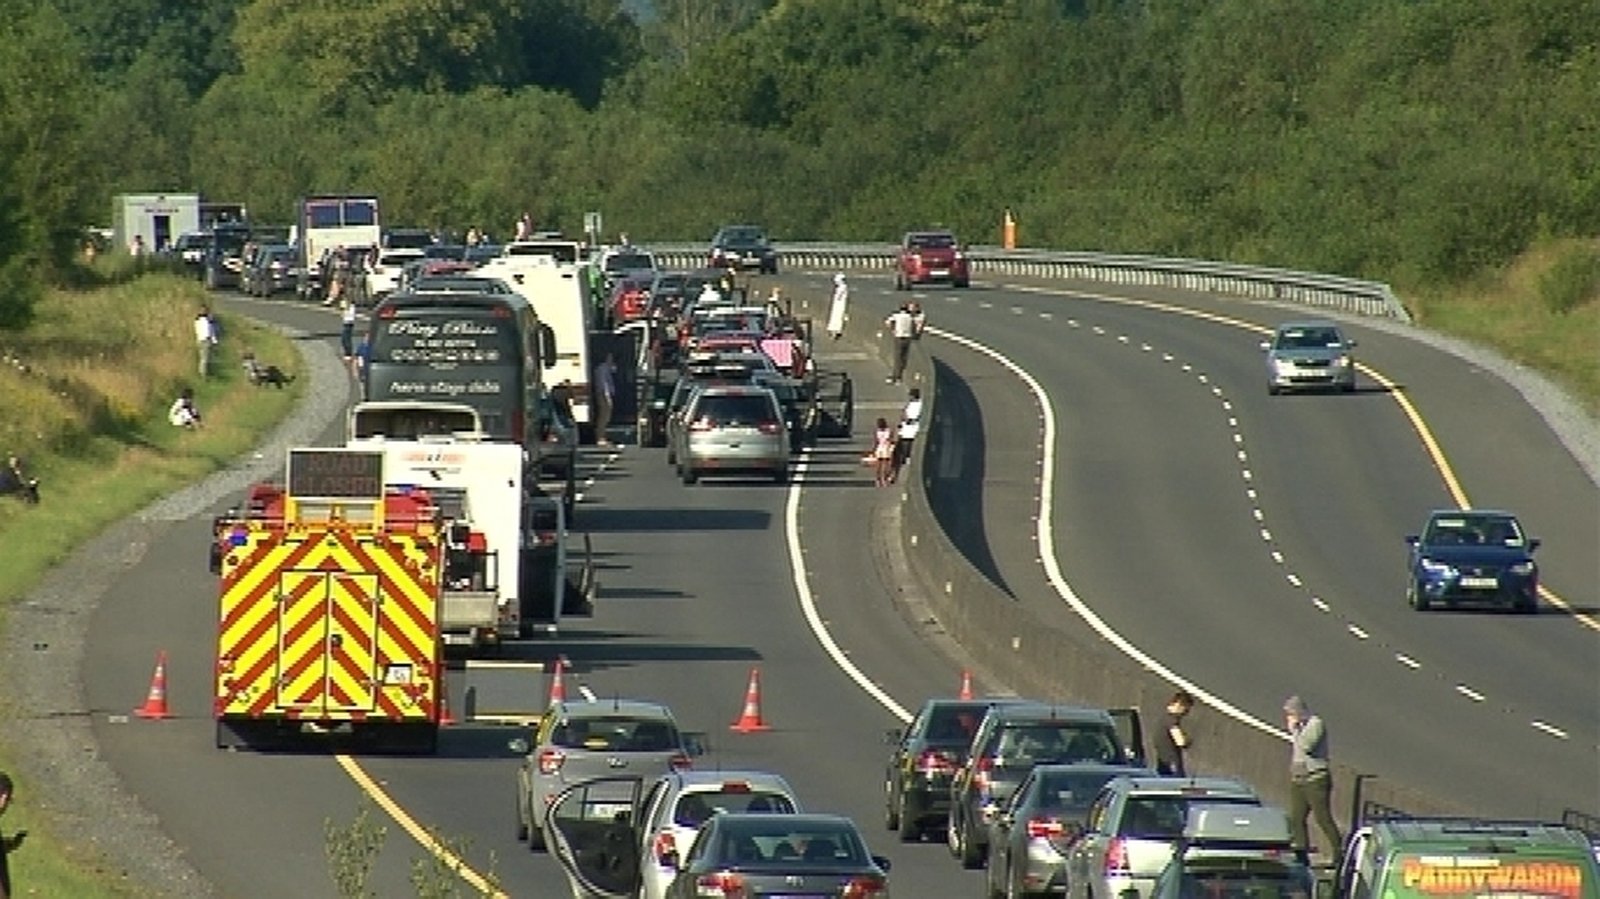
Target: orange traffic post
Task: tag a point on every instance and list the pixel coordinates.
(155, 701)
(1008, 231)
(966, 685)
(750, 718)
(558, 690)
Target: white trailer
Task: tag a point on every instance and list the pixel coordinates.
(504, 558)
(559, 294)
(158, 220)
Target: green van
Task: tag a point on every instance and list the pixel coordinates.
(1456, 858)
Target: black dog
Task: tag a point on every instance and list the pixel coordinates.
(265, 375)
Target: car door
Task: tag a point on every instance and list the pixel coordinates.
(1130, 730)
(594, 831)
(1096, 831)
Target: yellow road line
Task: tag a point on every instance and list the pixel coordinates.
(417, 831)
(1430, 444)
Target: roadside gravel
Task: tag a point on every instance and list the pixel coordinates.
(47, 719)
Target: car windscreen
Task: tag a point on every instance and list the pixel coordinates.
(616, 733)
(1309, 339)
(1475, 530)
(1037, 742)
(735, 410)
(693, 808)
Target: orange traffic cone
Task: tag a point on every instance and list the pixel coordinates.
(558, 690)
(966, 685)
(445, 718)
(750, 719)
(155, 702)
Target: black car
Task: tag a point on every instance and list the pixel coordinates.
(798, 399)
(763, 854)
(925, 758)
(742, 247)
(270, 269)
(655, 393)
(224, 259)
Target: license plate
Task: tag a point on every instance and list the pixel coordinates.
(1478, 583)
(940, 272)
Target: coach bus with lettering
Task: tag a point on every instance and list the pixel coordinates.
(488, 351)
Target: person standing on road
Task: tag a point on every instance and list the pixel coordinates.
(902, 324)
(347, 333)
(1310, 781)
(838, 306)
(1173, 741)
(882, 455)
(910, 425)
(9, 844)
(205, 337)
(605, 394)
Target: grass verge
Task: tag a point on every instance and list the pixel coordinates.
(86, 388)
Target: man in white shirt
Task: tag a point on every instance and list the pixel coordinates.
(205, 337)
(910, 426)
(902, 324)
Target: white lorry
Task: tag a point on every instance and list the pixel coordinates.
(551, 275)
(505, 544)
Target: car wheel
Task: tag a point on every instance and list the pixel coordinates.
(522, 826)
(952, 836)
(672, 457)
(1348, 388)
(1272, 390)
(1416, 598)
(909, 828)
(971, 855)
(689, 475)
(963, 285)
(780, 475)
(1528, 605)
(535, 835)
(891, 809)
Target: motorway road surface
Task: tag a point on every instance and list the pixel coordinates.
(1156, 532)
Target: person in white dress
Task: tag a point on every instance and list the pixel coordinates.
(838, 307)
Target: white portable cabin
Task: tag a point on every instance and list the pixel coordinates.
(157, 218)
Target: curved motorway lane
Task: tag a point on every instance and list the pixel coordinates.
(1153, 528)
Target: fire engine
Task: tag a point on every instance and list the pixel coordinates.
(329, 616)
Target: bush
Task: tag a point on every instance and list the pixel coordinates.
(1573, 280)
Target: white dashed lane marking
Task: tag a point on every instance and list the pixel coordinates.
(1470, 693)
(1407, 661)
(1550, 729)
(1357, 632)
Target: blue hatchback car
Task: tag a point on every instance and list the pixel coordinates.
(1473, 557)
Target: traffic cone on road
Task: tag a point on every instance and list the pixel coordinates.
(445, 718)
(750, 719)
(155, 702)
(966, 685)
(558, 690)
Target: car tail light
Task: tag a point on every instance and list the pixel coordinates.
(680, 762)
(735, 786)
(1116, 857)
(980, 773)
(721, 885)
(550, 761)
(1042, 828)
(770, 427)
(665, 844)
(934, 761)
(865, 888)
(544, 538)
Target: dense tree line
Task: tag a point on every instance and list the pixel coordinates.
(1412, 140)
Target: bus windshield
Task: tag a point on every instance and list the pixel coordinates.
(457, 352)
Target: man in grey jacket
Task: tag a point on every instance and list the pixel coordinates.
(1310, 780)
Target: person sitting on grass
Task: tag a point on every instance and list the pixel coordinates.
(183, 413)
(14, 483)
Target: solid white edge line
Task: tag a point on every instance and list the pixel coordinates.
(808, 601)
(1046, 541)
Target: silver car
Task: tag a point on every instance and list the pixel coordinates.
(1235, 850)
(732, 429)
(1310, 355)
(679, 804)
(577, 741)
(1133, 826)
(1028, 840)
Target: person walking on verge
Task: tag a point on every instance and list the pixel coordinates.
(882, 454)
(1310, 781)
(838, 306)
(605, 393)
(1173, 741)
(902, 324)
(205, 337)
(910, 426)
(9, 844)
(347, 333)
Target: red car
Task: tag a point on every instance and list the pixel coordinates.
(630, 300)
(931, 256)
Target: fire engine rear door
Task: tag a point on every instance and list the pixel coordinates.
(327, 622)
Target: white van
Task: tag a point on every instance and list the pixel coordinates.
(560, 297)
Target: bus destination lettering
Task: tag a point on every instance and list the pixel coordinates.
(445, 388)
(335, 474)
(412, 340)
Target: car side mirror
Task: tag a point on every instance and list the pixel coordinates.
(1266, 345)
(1534, 543)
(695, 743)
(669, 859)
(1413, 539)
(1350, 343)
(518, 745)
(882, 862)
(892, 736)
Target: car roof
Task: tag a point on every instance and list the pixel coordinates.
(1447, 513)
(931, 232)
(1089, 768)
(1307, 324)
(1457, 831)
(1027, 710)
(599, 708)
(732, 390)
(797, 820)
(692, 778)
(1177, 786)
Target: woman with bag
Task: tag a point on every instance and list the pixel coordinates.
(882, 455)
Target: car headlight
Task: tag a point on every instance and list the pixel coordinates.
(1437, 569)
(1341, 362)
(1523, 569)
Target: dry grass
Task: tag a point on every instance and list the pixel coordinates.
(1505, 311)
